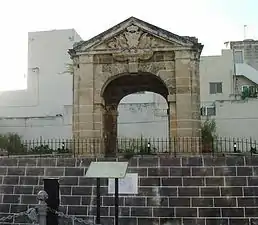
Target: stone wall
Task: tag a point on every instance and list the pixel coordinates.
(185, 190)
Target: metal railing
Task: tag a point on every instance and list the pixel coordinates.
(130, 146)
(38, 214)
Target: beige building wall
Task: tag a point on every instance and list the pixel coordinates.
(219, 68)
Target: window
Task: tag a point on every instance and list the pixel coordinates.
(249, 91)
(238, 56)
(249, 88)
(216, 88)
(252, 89)
(245, 88)
(208, 111)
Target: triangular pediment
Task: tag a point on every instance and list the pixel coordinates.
(134, 34)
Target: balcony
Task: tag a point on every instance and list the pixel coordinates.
(249, 92)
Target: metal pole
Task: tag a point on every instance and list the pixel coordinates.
(42, 207)
(116, 201)
(245, 27)
(51, 186)
(98, 202)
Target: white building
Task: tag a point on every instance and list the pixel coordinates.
(229, 90)
(44, 110)
(143, 115)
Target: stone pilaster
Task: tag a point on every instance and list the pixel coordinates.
(87, 114)
(110, 130)
(187, 97)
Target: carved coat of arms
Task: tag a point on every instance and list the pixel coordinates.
(133, 43)
(132, 36)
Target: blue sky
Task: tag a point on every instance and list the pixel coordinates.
(212, 21)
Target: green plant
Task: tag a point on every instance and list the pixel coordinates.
(63, 150)
(42, 149)
(208, 130)
(208, 134)
(253, 150)
(69, 69)
(129, 153)
(12, 143)
(144, 147)
(139, 146)
(45, 149)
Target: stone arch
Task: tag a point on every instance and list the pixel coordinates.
(115, 90)
(125, 52)
(151, 81)
(156, 65)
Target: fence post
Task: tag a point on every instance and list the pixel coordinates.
(42, 207)
(212, 145)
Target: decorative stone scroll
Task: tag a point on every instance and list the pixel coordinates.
(131, 39)
(134, 44)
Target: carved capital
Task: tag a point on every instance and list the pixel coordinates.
(182, 54)
(172, 98)
(111, 108)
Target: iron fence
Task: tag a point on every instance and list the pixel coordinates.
(130, 146)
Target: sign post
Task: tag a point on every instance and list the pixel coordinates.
(98, 202)
(107, 170)
(51, 186)
(116, 201)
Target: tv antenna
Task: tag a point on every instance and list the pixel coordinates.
(245, 31)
